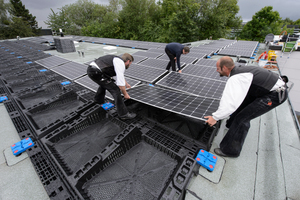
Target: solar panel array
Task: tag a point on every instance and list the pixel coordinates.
(85, 81)
(183, 59)
(147, 54)
(157, 63)
(144, 73)
(52, 61)
(206, 62)
(71, 70)
(199, 86)
(195, 92)
(203, 71)
(177, 102)
(138, 59)
(240, 48)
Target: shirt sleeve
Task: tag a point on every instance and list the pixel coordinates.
(119, 67)
(233, 95)
(178, 60)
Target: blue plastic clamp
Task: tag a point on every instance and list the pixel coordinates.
(3, 99)
(43, 70)
(21, 146)
(206, 159)
(107, 106)
(65, 83)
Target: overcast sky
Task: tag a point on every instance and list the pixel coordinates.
(286, 8)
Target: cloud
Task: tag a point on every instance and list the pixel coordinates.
(248, 8)
(286, 8)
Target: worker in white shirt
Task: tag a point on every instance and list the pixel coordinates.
(250, 91)
(108, 72)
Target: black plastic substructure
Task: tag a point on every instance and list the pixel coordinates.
(50, 178)
(122, 143)
(58, 121)
(176, 189)
(87, 136)
(176, 169)
(40, 94)
(208, 135)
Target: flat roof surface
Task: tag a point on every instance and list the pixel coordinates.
(268, 167)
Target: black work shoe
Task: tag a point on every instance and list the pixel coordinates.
(219, 152)
(128, 116)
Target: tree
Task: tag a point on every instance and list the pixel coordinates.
(72, 18)
(58, 20)
(18, 10)
(4, 19)
(287, 21)
(4, 13)
(297, 22)
(218, 18)
(179, 21)
(263, 22)
(134, 14)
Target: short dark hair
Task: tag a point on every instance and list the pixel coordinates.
(186, 49)
(127, 56)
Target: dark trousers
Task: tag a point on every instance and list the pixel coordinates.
(172, 61)
(109, 85)
(239, 121)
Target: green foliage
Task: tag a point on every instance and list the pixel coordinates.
(4, 7)
(148, 20)
(218, 18)
(15, 20)
(287, 21)
(19, 27)
(297, 22)
(72, 18)
(179, 22)
(263, 22)
(18, 10)
(107, 29)
(134, 14)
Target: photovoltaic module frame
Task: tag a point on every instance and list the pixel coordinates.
(173, 101)
(199, 86)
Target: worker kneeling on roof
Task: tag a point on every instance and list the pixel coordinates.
(249, 92)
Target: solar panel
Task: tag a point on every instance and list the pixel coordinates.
(234, 52)
(203, 71)
(71, 70)
(241, 48)
(159, 50)
(176, 102)
(195, 85)
(138, 59)
(206, 62)
(52, 61)
(157, 63)
(144, 73)
(202, 50)
(185, 59)
(86, 82)
(147, 54)
(196, 55)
